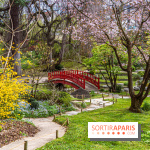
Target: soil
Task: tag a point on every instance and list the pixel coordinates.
(12, 130)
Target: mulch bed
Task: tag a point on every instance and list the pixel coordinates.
(13, 130)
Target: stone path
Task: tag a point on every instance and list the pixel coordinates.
(47, 133)
(95, 104)
(48, 128)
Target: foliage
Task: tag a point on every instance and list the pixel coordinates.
(129, 41)
(104, 60)
(73, 65)
(44, 109)
(137, 65)
(21, 2)
(59, 67)
(141, 73)
(136, 76)
(102, 90)
(92, 72)
(10, 91)
(83, 105)
(18, 114)
(126, 83)
(92, 93)
(34, 104)
(118, 88)
(68, 108)
(64, 98)
(1, 128)
(31, 100)
(146, 106)
(36, 57)
(43, 95)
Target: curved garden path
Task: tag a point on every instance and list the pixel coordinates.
(48, 128)
(46, 134)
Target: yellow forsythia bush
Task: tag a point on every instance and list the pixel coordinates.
(10, 91)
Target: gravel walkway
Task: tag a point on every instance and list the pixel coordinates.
(47, 134)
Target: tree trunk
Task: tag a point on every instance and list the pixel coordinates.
(135, 105)
(14, 12)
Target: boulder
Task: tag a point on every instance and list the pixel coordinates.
(136, 88)
(79, 92)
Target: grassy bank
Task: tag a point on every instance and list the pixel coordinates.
(76, 137)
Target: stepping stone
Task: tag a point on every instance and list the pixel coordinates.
(71, 113)
(125, 97)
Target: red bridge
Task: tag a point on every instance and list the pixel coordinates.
(75, 78)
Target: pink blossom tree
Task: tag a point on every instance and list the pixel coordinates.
(121, 25)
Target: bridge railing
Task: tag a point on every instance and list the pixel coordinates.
(88, 77)
(76, 76)
(67, 75)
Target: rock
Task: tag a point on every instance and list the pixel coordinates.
(105, 86)
(126, 89)
(80, 92)
(136, 88)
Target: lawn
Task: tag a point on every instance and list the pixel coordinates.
(76, 137)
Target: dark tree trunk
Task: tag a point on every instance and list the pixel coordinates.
(137, 99)
(135, 105)
(61, 53)
(14, 12)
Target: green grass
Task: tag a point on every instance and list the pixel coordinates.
(86, 104)
(110, 99)
(99, 95)
(76, 99)
(95, 96)
(126, 93)
(117, 82)
(76, 137)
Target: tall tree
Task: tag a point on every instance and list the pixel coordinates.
(120, 25)
(53, 20)
(14, 28)
(103, 59)
(14, 24)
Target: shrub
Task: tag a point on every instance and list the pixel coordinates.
(1, 128)
(43, 95)
(146, 106)
(126, 83)
(31, 100)
(102, 90)
(137, 65)
(83, 105)
(68, 108)
(10, 91)
(141, 73)
(25, 66)
(59, 67)
(64, 98)
(92, 93)
(18, 114)
(136, 77)
(118, 88)
(92, 72)
(34, 104)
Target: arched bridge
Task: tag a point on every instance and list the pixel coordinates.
(75, 78)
